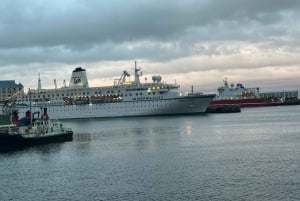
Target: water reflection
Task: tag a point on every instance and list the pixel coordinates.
(216, 157)
(122, 133)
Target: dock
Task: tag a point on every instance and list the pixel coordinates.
(226, 108)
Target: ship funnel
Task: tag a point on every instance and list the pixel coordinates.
(79, 78)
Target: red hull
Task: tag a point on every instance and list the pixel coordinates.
(251, 102)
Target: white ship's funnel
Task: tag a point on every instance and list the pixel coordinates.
(79, 78)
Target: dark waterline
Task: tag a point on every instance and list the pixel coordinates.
(252, 155)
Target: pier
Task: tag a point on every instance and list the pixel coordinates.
(226, 108)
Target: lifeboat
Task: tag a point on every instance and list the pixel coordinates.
(97, 99)
(68, 100)
(82, 100)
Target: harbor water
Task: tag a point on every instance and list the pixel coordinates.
(252, 155)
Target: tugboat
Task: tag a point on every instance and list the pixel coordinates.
(32, 131)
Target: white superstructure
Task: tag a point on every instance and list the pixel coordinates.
(236, 92)
(124, 98)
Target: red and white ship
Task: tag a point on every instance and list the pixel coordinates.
(251, 97)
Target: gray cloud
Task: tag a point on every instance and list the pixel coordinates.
(43, 35)
(81, 24)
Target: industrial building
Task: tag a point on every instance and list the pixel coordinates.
(280, 95)
(9, 88)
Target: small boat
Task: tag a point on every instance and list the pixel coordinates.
(26, 132)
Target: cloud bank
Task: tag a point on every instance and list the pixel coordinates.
(173, 38)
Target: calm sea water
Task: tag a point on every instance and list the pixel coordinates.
(252, 155)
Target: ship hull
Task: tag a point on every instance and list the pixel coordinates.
(180, 105)
(250, 102)
(17, 140)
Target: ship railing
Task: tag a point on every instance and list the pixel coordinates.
(68, 129)
(9, 129)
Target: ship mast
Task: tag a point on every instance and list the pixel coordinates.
(136, 74)
(30, 106)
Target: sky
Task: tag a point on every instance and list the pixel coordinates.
(190, 42)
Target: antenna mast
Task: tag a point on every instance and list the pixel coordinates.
(55, 84)
(136, 74)
(39, 83)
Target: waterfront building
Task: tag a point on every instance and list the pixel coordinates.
(9, 88)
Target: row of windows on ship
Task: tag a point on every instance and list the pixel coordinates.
(109, 108)
(59, 96)
(164, 87)
(113, 108)
(108, 91)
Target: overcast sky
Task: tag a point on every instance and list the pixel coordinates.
(195, 42)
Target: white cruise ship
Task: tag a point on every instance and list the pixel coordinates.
(123, 99)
